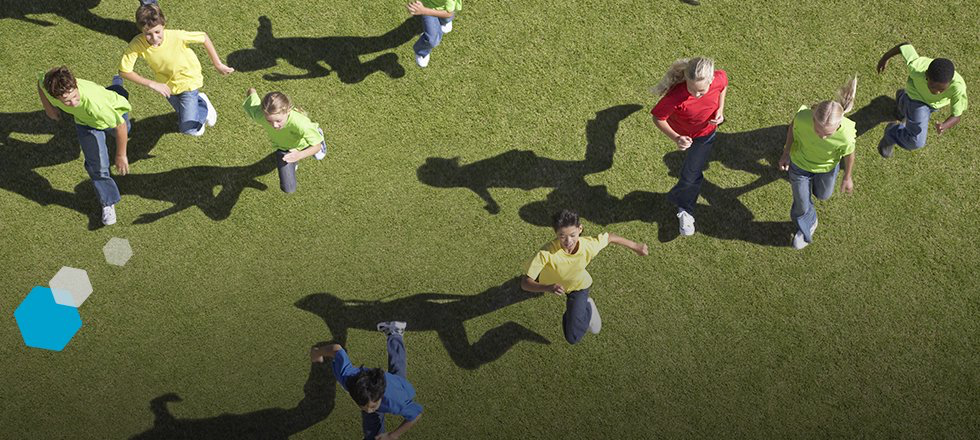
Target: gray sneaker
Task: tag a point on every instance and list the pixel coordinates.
(389, 327)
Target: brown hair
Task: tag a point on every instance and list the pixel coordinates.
(276, 103)
(59, 81)
(148, 16)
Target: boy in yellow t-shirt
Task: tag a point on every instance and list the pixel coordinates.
(559, 267)
(175, 66)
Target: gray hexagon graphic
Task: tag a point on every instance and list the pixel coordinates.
(117, 251)
(70, 286)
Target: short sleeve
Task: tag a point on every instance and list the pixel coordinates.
(130, 55)
(192, 37)
(451, 5)
(535, 265)
(959, 101)
(252, 107)
(342, 368)
(851, 137)
(722, 78)
(311, 134)
(411, 411)
(666, 106)
(909, 53)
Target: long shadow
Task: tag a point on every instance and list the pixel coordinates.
(445, 314)
(75, 11)
(20, 159)
(341, 54)
(267, 424)
(881, 109)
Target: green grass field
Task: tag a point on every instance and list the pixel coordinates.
(872, 331)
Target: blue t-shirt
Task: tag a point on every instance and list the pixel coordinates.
(398, 392)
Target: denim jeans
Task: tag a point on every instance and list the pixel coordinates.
(374, 423)
(431, 35)
(192, 111)
(96, 151)
(685, 193)
(912, 134)
(805, 184)
(577, 315)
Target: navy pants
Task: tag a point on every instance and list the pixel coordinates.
(685, 193)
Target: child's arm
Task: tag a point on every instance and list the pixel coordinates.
(641, 249)
(394, 435)
(48, 108)
(122, 137)
(533, 286)
(213, 54)
(298, 155)
(416, 8)
(720, 115)
(318, 353)
(160, 88)
(847, 184)
(891, 52)
(683, 142)
(784, 160)
(950, 122)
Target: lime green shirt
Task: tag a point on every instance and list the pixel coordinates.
(98, 107)
(816, 155)
(918, 88)
(172, 62)
(552, 265)
(298, 132)
(444, 5)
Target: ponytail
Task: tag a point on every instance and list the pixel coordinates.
(827, 114)
(690, 69)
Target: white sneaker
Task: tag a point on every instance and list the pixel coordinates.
(200, 132)
(422, 61)
(323, 148)
(447, 28)
(212, 117)
(799, 242)
(109, 215)
(595, 323)
(389, 327)
(686, 223)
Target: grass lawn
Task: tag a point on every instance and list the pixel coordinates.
(436, 189)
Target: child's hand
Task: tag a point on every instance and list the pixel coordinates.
(292, 156)
(122, 165)
(250, 91)
(416, 8)
(683, 142)
(223, 69)
(940, 129)
(881, 64)
(718, 119)
(160, 88)
(557, 289)
(784, 162)
(642, 249)
(847, 185)
(315, 356)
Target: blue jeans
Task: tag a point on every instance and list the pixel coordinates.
(912, 134)
(192, 111)
(93, 142)
(805, 184)
(577, 315)
(685, 193)
(374, 423)
(431, 35)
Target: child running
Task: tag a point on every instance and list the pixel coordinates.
(293, 134)
(376, 392)
(932, 84)
(437, 20)
(97, 112)
(175, 67)
(559, 267)
(692, 107)
(816, 141)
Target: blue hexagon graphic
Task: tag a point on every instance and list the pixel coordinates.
(44, 323)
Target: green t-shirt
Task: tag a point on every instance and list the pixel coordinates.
(918, 88)
(98, 107)
(298, 132)
(816, 155)
(444, 5)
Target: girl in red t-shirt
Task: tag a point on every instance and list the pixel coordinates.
(692, 107)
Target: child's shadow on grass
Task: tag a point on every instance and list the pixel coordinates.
(446, 314)
(75, 11)
(266, 424)
(341, 54)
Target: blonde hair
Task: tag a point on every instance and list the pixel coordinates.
(690, 69)
(827, 114)
(276, 103)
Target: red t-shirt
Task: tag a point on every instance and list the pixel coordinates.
(687, 115)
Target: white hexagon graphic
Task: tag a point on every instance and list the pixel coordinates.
(117, 251)
(70, 286)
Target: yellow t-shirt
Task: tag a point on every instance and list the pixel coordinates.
(173, 63)
(553, 265)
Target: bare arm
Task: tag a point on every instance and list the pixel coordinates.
(160, 88)
(298, 155)
(416, 8)
(847, 184)
(405, 426)
(48, 108)
(683, 142)
(641, 249)
(213, 54)
(950, 122)
(122, 137)
(888, 55)
(720, 114)
(533, 286)
(784, 160)
(318, 353)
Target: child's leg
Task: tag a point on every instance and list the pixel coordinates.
(396, 354)
(97, 164)
(912, 134)
(373, 424)
(822, 184)
(802, 213)
(191, 111)
(431, 36)
(685, 193)
(287, 173)
(577, 315)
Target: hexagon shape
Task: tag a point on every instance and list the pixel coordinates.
(117, 251)
(70, 286)
(44, 323)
